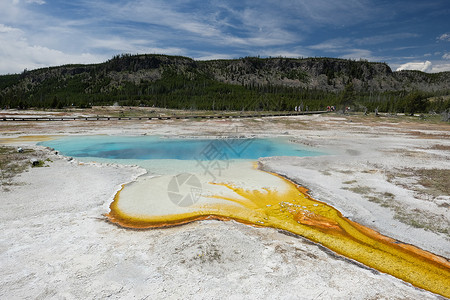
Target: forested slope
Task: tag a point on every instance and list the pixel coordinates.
(249, 83)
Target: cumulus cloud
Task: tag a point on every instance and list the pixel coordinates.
(440, 67)
(444, 37)
(18, 54)
(446, 56)
(8, 29)
(426, 66)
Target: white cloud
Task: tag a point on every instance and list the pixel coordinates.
(10, 12)
(116, 43)
(332, 45)
(440, 67)
(8, 29)
(200, 28)
(444, 37)
(446, 56)
(18, 54)
(214, 56)
(343, 48)
(133, 46)
(426, 66)
(16, 2)
(242, 26)
(359, 54)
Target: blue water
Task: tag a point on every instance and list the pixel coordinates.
(154, 147)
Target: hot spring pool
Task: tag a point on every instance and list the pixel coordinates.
(154, 147)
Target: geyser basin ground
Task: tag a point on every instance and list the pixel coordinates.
(248, 195)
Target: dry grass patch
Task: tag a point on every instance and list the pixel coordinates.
(361, 190)
(349, 182)
(412, 217)
(435, 181)
(371, 171)
(440, 147)
(432, 182)
(420, 219)
(12, 163)
(385, 199)
(292, 123)
(427, 184)
(427, 135)
(325, 172)
(346, 171)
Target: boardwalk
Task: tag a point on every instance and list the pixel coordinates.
(28, 119)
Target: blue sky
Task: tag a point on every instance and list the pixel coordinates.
(406, 34)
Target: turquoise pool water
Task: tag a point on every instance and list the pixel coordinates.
(154, 147)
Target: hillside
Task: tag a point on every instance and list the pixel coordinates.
(248, 83)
